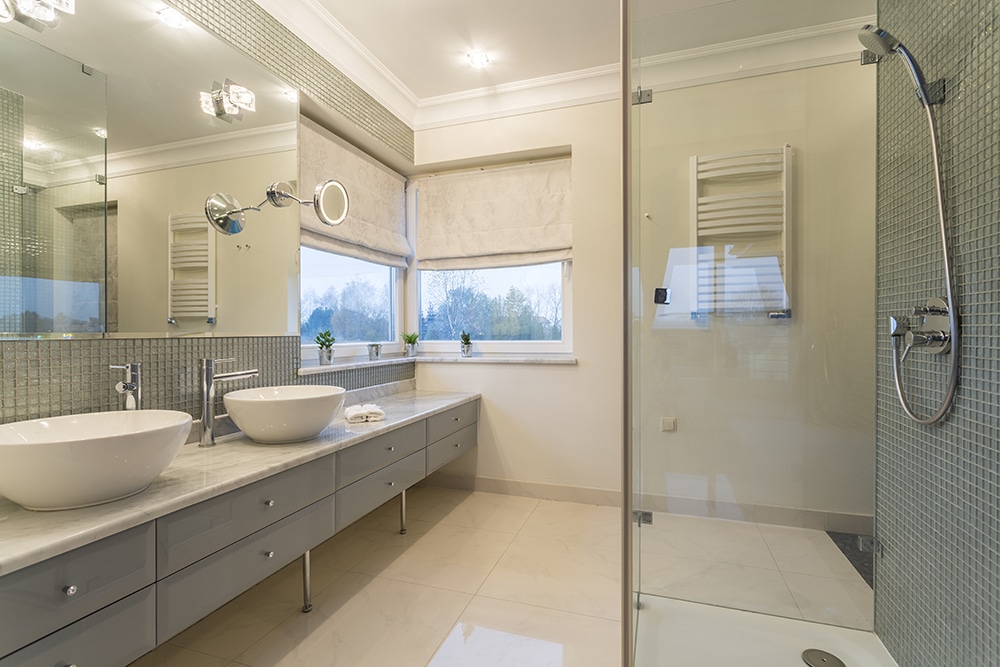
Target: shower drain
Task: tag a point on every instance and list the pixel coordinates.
(817, 658)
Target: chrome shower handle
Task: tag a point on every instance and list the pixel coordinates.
(930, 339)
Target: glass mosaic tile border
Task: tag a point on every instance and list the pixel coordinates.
(44, 378)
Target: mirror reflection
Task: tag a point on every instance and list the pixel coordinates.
(111, 245)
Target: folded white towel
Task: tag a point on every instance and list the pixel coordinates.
(369, 412)
(373, 413)
(355, 414)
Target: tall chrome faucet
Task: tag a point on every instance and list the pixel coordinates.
(208, 379)
(130, 389)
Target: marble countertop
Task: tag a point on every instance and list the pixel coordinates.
(197, 474)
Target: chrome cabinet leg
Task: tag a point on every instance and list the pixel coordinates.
(306, 583)
(402, 513)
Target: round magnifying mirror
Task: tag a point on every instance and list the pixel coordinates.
(225, 213)
(331, 202)
(280, 194)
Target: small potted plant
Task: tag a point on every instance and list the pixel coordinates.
(410, 344)
(466, 344)
(374, 351)
(325, 340)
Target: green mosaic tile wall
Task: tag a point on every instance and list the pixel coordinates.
(255, 32)
(938, 487)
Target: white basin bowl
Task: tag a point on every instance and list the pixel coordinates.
(276, 415)
(75, 461)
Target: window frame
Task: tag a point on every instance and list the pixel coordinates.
(357, 351)
(503, 347)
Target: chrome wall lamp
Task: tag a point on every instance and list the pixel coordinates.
(330, 201)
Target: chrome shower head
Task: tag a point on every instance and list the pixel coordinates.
(882, 43)
(877, 40)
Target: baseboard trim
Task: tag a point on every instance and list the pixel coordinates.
(575, 494)
(860, 524)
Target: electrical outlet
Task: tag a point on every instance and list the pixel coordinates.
(668, 424)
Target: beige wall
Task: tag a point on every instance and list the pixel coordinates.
(551, 429)
(257, 270)
(770, 414)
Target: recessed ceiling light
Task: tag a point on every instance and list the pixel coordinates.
(101, 132)
(479, 59)
(292, 95)
(33, 145)
(173, 18)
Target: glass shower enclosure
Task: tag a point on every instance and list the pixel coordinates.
(750, 187)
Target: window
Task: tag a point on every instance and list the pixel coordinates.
(356, 300)
(524, 303)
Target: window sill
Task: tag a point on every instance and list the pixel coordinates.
(352, 362)
(542, 359)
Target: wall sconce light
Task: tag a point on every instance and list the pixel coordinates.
(330, 201)
(228, 101)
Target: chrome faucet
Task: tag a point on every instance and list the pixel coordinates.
(208, 379)
(130, 387)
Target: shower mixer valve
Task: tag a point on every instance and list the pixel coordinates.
(929, 329)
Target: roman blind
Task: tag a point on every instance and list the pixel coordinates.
(375, 228)
(495, 217)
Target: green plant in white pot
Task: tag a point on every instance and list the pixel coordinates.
(466, 344)
(325, 340)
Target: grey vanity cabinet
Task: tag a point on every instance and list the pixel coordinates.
(195, 532)
(113, 636)
(361, 497)
(364, 458)
(45, 597)
(199, 589)
(450, 447)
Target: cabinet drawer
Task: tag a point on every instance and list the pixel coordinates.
(360, 498)
(186, 597)
(112, 637)
(446, 423)
(194, 532)
(365, 458)
(450, 447)
(45, 597)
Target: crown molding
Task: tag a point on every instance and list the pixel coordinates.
(227, 146)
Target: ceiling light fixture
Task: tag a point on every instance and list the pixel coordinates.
(36, 14)
(33, 145)
(172, 18)
(479, 59)
(292, 95)
(101, 132)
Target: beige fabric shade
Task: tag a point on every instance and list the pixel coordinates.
(495, 217)
(375, 228)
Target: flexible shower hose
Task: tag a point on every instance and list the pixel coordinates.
(955, 338)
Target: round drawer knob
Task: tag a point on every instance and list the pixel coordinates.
(390, 449)
(456, 419)
(269, 503)
(268, 554)
(390, 484)
(70, 590)
(458, 444)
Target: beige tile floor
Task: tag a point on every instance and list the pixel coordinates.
(791, 572)
(480, 579)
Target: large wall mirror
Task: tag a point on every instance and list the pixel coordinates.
(119, 246)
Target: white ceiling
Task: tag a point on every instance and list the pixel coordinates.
(412, 55)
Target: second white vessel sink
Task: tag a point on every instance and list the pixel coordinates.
(80, 460)
(277, 415)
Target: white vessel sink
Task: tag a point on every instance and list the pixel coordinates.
(75, 461)
(276, 415)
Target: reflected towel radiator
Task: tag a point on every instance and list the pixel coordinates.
(191, 268)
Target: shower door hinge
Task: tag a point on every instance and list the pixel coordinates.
(642, 95)
(870, 545)
(642, 517)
